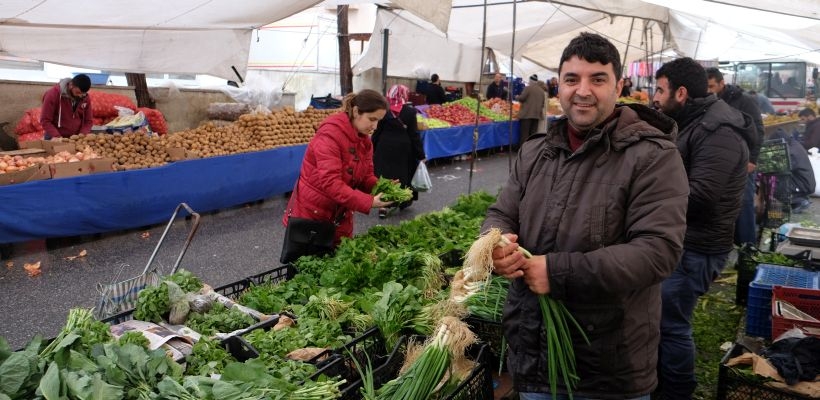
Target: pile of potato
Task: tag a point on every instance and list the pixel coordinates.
(252, 132)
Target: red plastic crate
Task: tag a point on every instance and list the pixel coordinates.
(807, 300)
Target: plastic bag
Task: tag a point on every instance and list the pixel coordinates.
(421, 179)
(814, 158)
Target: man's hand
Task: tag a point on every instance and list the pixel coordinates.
(511, 263)
(750, 168)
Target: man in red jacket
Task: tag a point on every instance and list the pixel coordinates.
(67, 108)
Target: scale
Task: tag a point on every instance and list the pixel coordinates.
(799, 241)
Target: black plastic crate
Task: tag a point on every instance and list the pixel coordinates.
(490, 333)
(479, 384)
(746, 267)
(733, 385)
(452, 258)
(275, 275)
(385, 368)
(119, 318)
(234, 289)
(774, 157)
(333, 365)
(240, 349)
(370, 344)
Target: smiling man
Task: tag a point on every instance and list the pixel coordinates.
(600, 201)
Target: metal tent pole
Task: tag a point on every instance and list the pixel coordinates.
(477, 114)
(509, 92)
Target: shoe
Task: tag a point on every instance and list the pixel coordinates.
(382, 213)
(801, 207)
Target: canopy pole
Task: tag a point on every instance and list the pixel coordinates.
(628, 43)
(386, 34)
(649, 76)
(509, 91)
(478, 106)
(651, 65)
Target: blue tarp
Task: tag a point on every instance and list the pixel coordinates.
(114, 201)
(447, 142)
(129, 199)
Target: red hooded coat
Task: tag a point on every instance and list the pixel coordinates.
(336, 176)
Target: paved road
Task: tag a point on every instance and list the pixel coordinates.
(230, 245)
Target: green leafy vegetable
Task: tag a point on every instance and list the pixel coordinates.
(392, 191)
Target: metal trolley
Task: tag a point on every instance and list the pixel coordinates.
(118, 297)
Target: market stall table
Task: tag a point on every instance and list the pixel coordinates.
(448, 142)
(114, 201)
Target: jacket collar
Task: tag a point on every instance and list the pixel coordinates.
(633, 123)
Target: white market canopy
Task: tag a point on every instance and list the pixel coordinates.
(211, 37)
(159, 36)
(706, 30)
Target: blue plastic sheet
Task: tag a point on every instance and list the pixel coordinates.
(128, 199)
(448, 142)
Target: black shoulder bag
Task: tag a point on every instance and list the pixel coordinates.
(308, 237)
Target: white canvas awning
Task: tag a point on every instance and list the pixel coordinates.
(179, 36)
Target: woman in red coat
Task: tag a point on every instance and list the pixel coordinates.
(337, 170)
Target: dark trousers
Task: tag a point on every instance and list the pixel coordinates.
(528, 127)
(680, 292)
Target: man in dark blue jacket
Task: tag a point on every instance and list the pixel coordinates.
(745, 228)
(711, 143)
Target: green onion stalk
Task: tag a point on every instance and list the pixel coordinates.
(78, 319)
(560, 353)
(421, 379)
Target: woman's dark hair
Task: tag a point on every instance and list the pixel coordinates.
(366, 100)
(434, 78)
(685, 72)
(592, 48)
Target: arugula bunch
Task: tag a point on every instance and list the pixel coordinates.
(392, 191)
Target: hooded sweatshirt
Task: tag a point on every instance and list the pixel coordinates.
(62, 114)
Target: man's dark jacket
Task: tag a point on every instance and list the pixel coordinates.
(744, 102)
(712, 147)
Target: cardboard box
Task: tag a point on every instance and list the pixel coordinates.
(99, 165)
(24, 153)
(69, 169)
(50, 146)
(33, 173)
(54, 147)
(179, 154)
(32, 144)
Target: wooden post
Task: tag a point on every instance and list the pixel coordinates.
(140, 89)
(345, 69)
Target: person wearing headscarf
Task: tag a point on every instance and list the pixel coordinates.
(397, 148)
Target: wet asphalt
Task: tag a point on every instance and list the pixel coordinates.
(228, 246)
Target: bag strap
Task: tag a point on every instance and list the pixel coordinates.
(338, 216)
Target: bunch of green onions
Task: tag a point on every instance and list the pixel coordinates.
(560, 354)
(421, 379)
